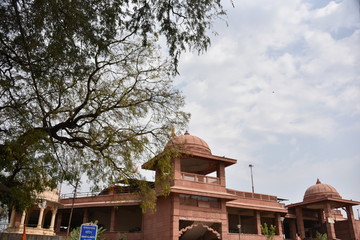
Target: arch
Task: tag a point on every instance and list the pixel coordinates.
(32, 218)
(199, 225)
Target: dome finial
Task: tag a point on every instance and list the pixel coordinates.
(186, 132)
(318, 181)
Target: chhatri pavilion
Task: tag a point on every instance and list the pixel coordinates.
(199, 206)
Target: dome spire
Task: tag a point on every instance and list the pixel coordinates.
(318, 181)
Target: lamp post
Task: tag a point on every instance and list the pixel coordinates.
(252, 179)
(239, 227)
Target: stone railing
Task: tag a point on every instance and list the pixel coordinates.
(79, 194)
(253, 195)
(199, 178)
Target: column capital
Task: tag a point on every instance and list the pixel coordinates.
(42, 204)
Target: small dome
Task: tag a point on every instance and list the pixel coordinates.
(189, 143)
(320, 190)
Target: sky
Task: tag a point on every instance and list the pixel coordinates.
(280, 89)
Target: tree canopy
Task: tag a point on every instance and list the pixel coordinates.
(84, 86)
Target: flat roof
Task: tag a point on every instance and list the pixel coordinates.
(336, 202)
(227, 161)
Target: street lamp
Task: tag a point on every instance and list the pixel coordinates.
(252, 179)
(239, 227)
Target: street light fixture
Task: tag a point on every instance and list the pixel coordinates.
(252, 179)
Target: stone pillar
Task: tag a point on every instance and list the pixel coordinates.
(12, 218)
(220, 173)
(351, 222)
(41, 215)
(278, 224)
(58, 222)
(330, 229)
(112, 219)
(22, 220)
(53, 215)
(86, 216)
(177, 168)
(300, 222)
(322, 217)
(258, 222)
(174, 231)
(292, 229)
(224, 221)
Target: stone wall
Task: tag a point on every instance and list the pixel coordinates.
(14, 236)
(236, 236)
(158, 225)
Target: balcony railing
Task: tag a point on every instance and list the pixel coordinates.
(252, 195)
(199, 178)
(109, 191)
(78, 194)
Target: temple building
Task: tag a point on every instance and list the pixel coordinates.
(199, 206)
(319, 212)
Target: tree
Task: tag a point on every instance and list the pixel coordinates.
(84, 87)
(269, 232)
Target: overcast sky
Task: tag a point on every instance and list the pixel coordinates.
(280, 89)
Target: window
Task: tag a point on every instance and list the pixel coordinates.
(199, 201)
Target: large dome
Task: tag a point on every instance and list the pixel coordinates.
(189, 143)
(320, 190)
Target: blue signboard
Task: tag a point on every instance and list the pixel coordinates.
(88, 231)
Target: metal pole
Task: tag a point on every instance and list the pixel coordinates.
(72, 208)
(252, 179)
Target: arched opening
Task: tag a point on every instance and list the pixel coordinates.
(33, 218)
(198, 231)
(47, 219)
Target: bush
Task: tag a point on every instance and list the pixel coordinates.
(321, 236)
(269, 232)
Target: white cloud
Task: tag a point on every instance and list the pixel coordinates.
(280, 72)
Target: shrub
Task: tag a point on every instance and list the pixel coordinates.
(321, 236)
(269, 232)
